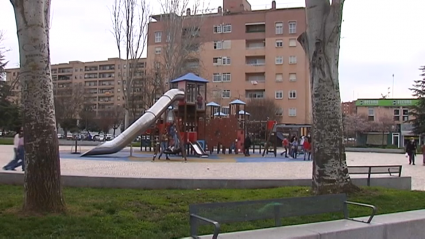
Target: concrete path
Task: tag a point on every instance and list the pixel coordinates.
(286, 169)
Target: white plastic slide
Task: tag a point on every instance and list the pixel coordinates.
(138, 127)
(199, 151)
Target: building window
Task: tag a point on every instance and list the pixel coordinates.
(279, 43)
(158, 37)
(292, 60)
(158, 50)
(292, 77)
(216, 77)
(278, 94)
(225, 110)
(227, 44)
(226, 28)
(226, 77)
(279, 27)
(396, 114)
(292, 94)
(225, 94)
(292, 112)
(279, 77)
(278, 60)
(371, 114)
(221, 61)
(292, 27)
(218, 45)
(292, 42)
(255, 94)
(405, 114)
(279, 111)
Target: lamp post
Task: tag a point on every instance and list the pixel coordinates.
(393, 87)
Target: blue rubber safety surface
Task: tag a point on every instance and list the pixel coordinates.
(123, 155)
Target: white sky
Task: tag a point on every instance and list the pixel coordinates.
(380, 38)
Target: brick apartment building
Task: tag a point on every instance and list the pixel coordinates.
(348, 108)
(248, 54)
(101, 81)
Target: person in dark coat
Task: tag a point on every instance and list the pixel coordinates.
(411, 150)
(247, 144)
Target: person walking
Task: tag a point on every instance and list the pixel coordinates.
(15, 160)
(411, 150)
(164, 146)
(307, 149)
(285, 144)
(423, 154)
(247, 144)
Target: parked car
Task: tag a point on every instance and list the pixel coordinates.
(60, 136)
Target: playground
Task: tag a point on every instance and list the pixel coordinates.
(181, 125)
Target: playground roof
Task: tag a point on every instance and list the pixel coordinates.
(213, 104)
(242, 112)
(237, 102)
(220, 114)
(190, 77)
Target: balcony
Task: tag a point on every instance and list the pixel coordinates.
(255, 47)
(90, 76)
(90, 83)
(105, 99)
(107, 67)
(90, 68)
(255, 27)
(255, 80)
(106, 75)
(255, 94)
(64, 78)
(109, 91)
(90, 91)
(65, 71)
(106, 83)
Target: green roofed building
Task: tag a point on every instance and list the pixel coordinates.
(389, 121)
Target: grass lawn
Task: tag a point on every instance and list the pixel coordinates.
(121, 213)
(6, 141)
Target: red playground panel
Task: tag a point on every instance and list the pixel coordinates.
(191, 136)
(270, 124)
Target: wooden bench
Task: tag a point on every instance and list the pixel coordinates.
(375, 169)
(228, 212)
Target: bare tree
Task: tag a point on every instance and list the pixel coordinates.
(263, 109)
(385, 125)
(181, 24)
(42, 181)
(321, 42)
(69, 102)
(117, 116)
(354, 124)
(3, 61)
(130, 20)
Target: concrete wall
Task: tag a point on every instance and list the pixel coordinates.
(404, 183)
(375, 150)
(406, 225)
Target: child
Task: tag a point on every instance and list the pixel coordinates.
(423, 154)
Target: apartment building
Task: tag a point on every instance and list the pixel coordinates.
(396, 109)
(247, 54)
(100, 82)
(348, 108)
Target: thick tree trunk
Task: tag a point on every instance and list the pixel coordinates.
(43, 190)
(321, 43)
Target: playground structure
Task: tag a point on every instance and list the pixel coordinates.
(200, 127)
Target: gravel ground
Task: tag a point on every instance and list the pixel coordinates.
(257, 170)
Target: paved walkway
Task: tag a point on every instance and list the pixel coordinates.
(120, 165)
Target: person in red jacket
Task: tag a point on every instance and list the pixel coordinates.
(307, 149)
(285, 144)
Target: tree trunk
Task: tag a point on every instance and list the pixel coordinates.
(321, 42)
(42, 182)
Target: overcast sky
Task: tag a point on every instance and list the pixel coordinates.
(380, 38)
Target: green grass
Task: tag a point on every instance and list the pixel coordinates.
(6, 141)
(120, 213)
